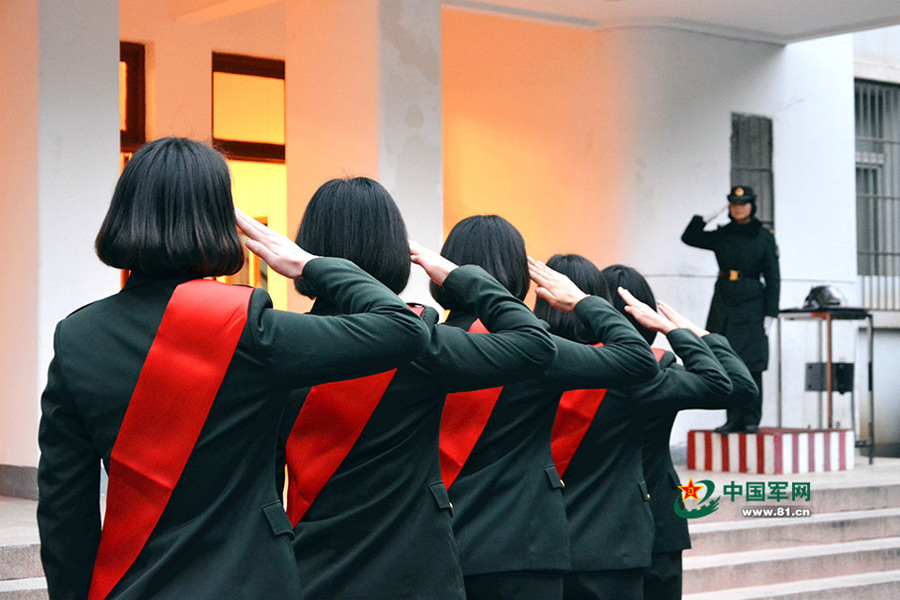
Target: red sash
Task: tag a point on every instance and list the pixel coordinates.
(331, 420)
(573, 418)
(180, 378)
(464, 418)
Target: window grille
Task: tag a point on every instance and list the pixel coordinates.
(751, 161)
(878, 194)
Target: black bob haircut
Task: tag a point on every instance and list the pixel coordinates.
(492, 243)
(357, 219)
(587, 277)
(630, 279)
(172, 213)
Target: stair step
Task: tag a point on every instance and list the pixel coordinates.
(770, 566)
(34, 588)
(881, 585)
(20, 561)
(759, 533)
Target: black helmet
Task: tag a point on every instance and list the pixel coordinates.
(823, 296)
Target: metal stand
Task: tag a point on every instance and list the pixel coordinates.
(825, 317)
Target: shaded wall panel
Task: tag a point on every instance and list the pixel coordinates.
(522, 137)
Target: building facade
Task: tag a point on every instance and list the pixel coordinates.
(592, 135)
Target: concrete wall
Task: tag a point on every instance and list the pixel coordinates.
(18, 201)
(606, 143)
(367, 108)
(521, 132)
(680, 166)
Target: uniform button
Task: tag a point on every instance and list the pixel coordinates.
(451, 507)
(648, 496)
(562, 483)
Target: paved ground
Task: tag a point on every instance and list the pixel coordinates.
(17, 521)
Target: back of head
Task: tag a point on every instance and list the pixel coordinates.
(356, 219)
(172, 213)
(587, 277)
(492, 243)
(622, 276)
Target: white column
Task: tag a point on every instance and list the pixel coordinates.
(363, 88)
(59, 164)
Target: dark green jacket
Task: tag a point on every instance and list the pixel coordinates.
(712, 377)
(380, 529)
(508, 498)
(223, 533)
(738, 307)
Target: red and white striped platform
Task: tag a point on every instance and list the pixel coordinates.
(772, 451)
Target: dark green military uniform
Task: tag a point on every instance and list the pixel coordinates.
(510, 514)
(380, 529)
(223, 533)
(698, 384)
(741, 301)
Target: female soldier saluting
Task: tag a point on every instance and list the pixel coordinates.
(743, 307)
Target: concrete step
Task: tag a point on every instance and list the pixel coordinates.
(881, 585)
(770, 566)
(20, 560)
(24, 589)
(769, 533)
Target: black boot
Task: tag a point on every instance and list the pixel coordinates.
(729, 427)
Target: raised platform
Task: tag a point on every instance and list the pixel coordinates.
(772, 451)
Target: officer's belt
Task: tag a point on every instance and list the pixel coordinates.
(731, 275)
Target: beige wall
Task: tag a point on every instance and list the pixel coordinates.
(18, 245)
(522, 131)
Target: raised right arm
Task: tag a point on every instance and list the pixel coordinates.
(695, 236)
(518, 345)
(376, 332)
(701, 383)
(624, 359)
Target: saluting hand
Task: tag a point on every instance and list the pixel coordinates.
(645, 314)
(436, 266)
(715, 214)
(554, 287)
(680, 320)
(280, 253)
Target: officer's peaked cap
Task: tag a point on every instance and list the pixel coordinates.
(742, 193)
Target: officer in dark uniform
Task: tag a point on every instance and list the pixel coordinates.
(743, 307)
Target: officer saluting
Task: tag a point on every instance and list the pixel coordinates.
(743, 307)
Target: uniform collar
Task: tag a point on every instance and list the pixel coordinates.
(141, 279)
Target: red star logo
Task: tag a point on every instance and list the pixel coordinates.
(690, 490)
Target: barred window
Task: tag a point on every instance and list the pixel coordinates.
(751, 161)
(878, 193)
